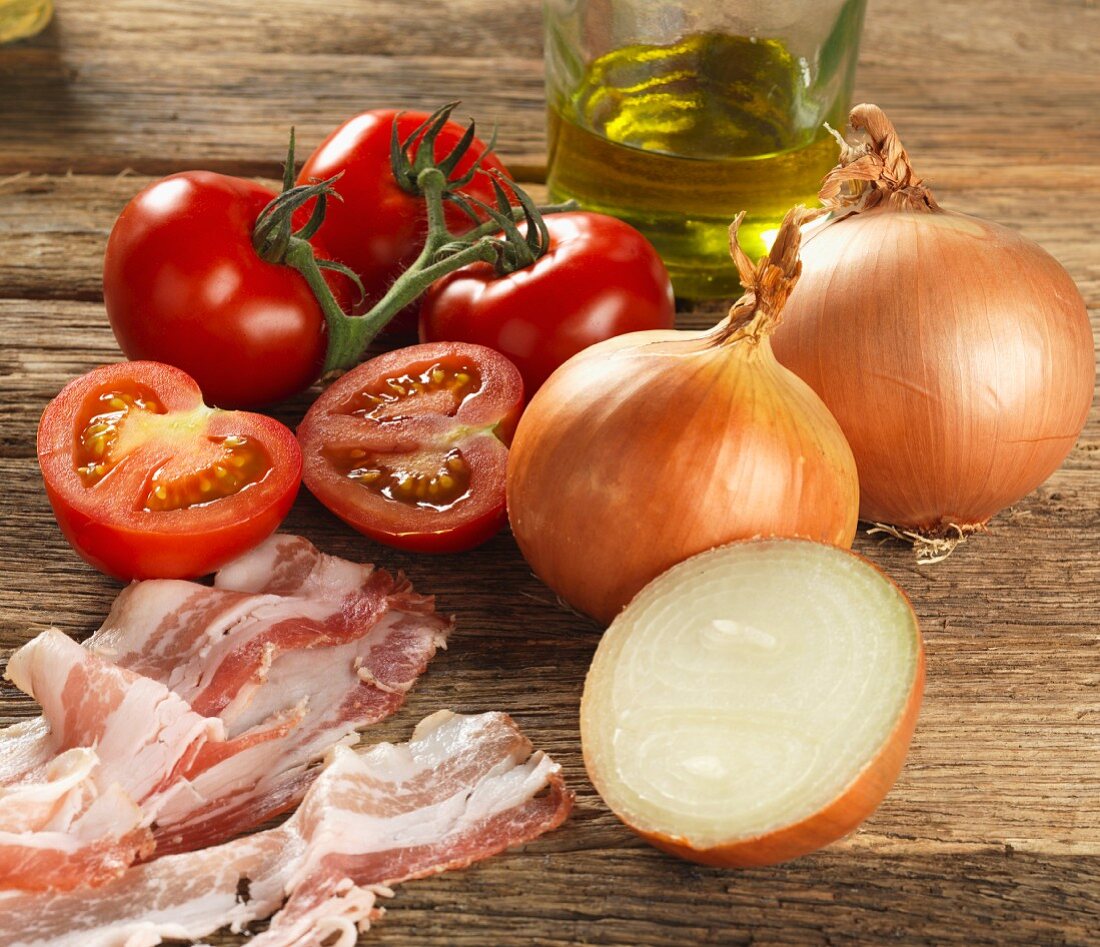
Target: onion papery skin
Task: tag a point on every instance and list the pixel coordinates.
(650, 447)
(652, 643)
(956, 354)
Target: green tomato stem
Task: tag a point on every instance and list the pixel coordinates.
(491, 227)
(349, 336)
(495, 241)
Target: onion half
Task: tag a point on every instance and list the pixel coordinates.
(652, 446)
(956, 354)
(755, 702)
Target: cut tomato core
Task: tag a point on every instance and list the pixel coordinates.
(425, 478)
(120, 420)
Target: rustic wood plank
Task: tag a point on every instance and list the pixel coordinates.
(488, 28)
(54, 228)
(483, 29)
(65, 105)
(142, 114)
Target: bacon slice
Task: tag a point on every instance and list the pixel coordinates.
(143, 733)
(293, 650)
(108, 742)
(464, 788)
(98, 845)
(292, 654)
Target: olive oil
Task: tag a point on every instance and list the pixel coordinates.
(678, 139)
(22, 18)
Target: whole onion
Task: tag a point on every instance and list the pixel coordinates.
(652, 446)
(956, 354)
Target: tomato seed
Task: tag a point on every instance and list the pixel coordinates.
(442, 487)
(461, 382)
(242, 464)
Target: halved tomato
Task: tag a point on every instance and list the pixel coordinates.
(146, 481)
(411, 447)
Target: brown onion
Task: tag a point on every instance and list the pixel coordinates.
(653, 446)
(956, 354)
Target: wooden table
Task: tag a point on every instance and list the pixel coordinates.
(992, 834)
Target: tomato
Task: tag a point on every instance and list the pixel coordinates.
(410, 448)
(379, 228)
(183, 285)
(146, 481)
(599, 278)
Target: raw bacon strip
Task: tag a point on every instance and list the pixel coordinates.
(290, 673)
(291, 565)
(464, 788)
(52, 800)
(108, 741)
(182, 897)
(143, 734)
(294, 650)
(332, 645)
(24, 747)
(250, 787)
(98, 845)
(215, 647)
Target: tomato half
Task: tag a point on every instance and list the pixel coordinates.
(411, 447)
(599, 278)
(147, 482)
(378, 228)
(183, 285)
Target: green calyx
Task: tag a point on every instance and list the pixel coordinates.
(273, 235)
(514, 250)
(494, 239)
(417, 153)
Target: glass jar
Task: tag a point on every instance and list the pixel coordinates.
(676, 116)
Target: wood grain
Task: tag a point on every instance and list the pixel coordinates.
(992, 835)
(1019, 77)
(53, 228)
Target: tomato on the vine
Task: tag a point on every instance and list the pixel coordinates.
(183, 285)
(598, 278)
(146, 481)
(410, 448)
(378, 227)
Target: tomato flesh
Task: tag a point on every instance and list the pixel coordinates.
(240, 465)
(390, 397)
(442, 486)
(410, 448)
(146, 481)
(95, 450)
(124, 418)
(418, 479)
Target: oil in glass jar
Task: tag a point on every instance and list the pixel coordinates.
(678, 139)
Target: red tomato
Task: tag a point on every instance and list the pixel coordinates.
(183, 285)
(379, 228)
(147, 482)
(599, 278)
(410, 448)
